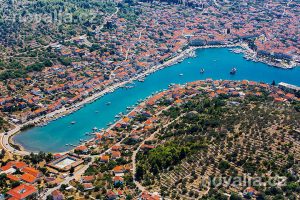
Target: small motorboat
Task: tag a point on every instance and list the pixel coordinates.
(202, 71)
(180, 74)
(233, 71)
(73, 122)
(108, 103)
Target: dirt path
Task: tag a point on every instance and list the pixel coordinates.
(133, 158)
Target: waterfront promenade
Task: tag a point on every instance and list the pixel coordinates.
(5, 141)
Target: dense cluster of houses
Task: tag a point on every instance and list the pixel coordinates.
(27, 177)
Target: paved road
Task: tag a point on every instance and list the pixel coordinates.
(5, 142)
(79, 172)
(5, 136)
(69, 178)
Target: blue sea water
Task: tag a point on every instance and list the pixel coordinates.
(217, 63)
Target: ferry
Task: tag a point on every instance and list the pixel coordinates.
(233, 71)
(202, 71)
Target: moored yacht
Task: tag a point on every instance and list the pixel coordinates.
(233, 71)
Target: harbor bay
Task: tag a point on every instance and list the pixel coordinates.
(217, 63)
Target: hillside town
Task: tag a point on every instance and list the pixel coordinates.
(109, 166)
(178, 143)
(132, 39)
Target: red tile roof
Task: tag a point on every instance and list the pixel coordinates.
(28, 178)
(32, 171)
(22, 191)
(12, 177)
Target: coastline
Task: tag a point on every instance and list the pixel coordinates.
(251, 55)
(7, 139)
(8, 142)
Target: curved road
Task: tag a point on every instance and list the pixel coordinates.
(80, 171)
(4, 140)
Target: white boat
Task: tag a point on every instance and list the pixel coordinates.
(73, 122)
(180, 74)
(233, 71)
